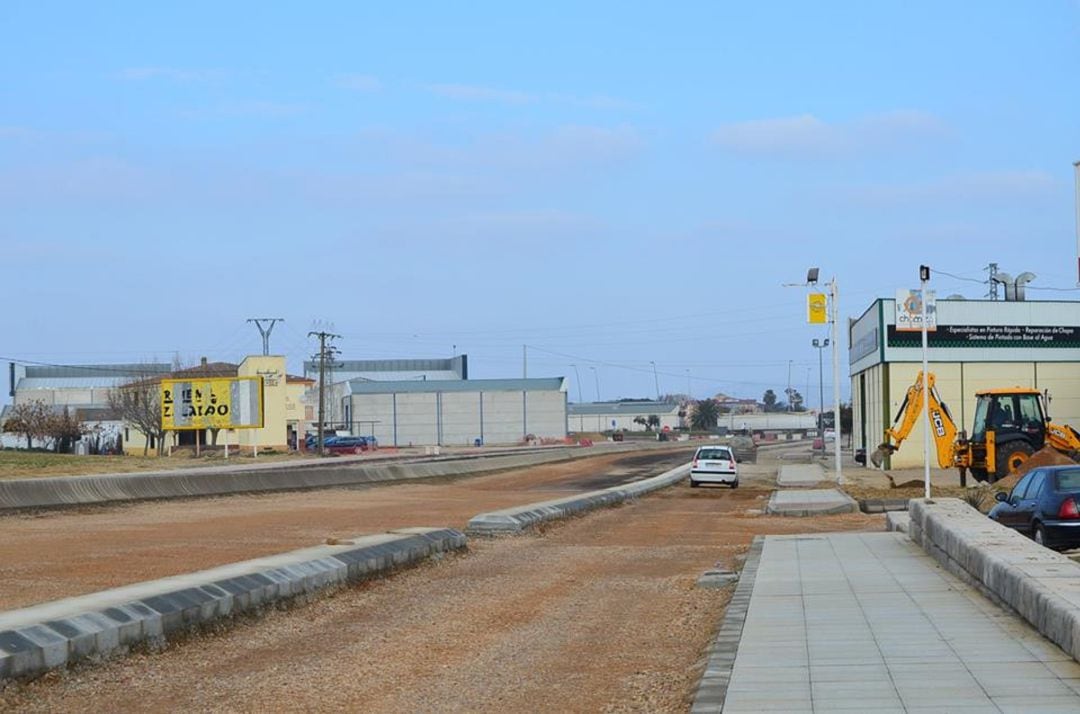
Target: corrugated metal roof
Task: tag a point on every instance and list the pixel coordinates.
(97, 382)
(552, 384)
(622, 408)
(96, 370)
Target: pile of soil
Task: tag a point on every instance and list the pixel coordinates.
(1046, 456)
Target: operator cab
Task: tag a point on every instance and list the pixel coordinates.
(1011, 415)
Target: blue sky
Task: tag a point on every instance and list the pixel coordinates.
(611, 185)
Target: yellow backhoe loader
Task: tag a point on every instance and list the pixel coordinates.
(1010, 425)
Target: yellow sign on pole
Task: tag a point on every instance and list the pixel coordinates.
(817, 311)
(212, 403)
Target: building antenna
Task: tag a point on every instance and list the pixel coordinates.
(993, 269)
(265, 331)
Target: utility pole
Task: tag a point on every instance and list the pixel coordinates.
(324, 349)
(1076, 179)
(265, 331)
(789, 385)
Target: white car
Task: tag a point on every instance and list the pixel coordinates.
(714, 464)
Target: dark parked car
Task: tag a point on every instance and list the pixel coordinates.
(346, 445)
(1044, 504)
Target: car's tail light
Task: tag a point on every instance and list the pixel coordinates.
(1068, 509)
(694, 465)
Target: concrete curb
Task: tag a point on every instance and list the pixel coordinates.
(36, 639)
(60, 491)
(882, 505)
(899, 521)
(512, 521)
(814, 502)
(1042, 586)
(712, 687)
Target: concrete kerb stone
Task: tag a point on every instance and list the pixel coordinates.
(36, 639)
(720, 660)
(897, 521)
(1040, 585)
(800, 475)
(512, 521)
(810, 502)
(60, 491)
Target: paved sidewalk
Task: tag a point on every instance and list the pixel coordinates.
(865, 622)
(800, 476)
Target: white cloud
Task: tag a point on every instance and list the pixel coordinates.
(249, 108)
(170, 73)
(472, 92)
(478, 93)
(359, 82)
(807, 137)
(976, 186)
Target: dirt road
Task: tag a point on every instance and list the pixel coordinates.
(59, 554)
(597, 614)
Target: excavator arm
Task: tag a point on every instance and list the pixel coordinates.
(1064, 438)
(942, 427)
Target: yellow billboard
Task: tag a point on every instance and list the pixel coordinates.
(817, 311)
(212, 403)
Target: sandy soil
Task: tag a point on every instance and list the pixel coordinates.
(50, 555)
(599, 613)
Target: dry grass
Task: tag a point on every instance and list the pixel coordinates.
(34, 464)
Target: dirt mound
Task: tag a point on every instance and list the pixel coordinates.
(1045, 456)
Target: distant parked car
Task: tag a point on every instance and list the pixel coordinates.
(347, 445)
(714, 464)
(1045, 505)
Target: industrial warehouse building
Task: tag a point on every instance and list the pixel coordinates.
(452, 411)
(978, 345)
(620, 416)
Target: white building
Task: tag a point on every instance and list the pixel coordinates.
(453, 412)
(978, 345)
(620, 416)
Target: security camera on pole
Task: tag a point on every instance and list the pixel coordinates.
(925, 297)
(822, 309)
(916, 311)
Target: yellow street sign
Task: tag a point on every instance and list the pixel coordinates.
(817, 312)
(212, 403)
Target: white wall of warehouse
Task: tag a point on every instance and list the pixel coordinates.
(459, 417)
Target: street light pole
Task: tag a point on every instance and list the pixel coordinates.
(596, 376)
(821, 345)
(577, 381)
(656, 378)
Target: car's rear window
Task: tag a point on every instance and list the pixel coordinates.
(1068, 480)
(714, 454)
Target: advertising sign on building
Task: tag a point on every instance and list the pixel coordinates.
(817, 312)
(909, 310)
(212, 403)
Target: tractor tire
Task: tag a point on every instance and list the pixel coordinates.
(1010, 456)
(979, 475)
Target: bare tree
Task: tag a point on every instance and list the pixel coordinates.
(64, 430)
(139, 403)
(29, 420)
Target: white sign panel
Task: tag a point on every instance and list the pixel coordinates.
(909, 310)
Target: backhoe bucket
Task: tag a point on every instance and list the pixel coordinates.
(877, 458)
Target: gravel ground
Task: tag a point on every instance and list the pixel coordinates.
(599, 613)
(56, 554)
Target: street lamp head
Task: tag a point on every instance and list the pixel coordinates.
(817, 342)
(812, 276)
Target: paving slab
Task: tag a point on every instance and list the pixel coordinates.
(800, 475)
(870, 622)
(810, 502)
